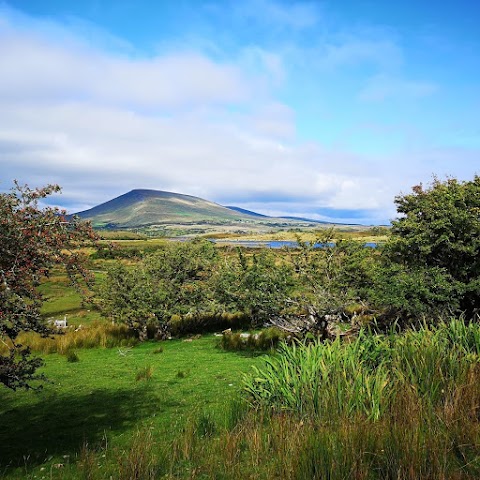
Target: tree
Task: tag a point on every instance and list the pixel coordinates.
(257, 285)
(171, 281)
(127, 296)
(438, 236)
(32, 241)
(332, 273)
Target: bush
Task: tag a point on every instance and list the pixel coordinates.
(267, 339)
(180, 325)
(72, 357)
(439, 231)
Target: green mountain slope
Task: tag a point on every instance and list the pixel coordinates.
(140, 208)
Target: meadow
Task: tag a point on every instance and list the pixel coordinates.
(393, 405)
(396, 406)
(102, 399)
(378, 378)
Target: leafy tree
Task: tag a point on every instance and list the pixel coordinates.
(256, 285)
(438, 236)
(127, 296)
(180, 273)
(335, 275)
(403, 293)
(33, 240)
(173, 280)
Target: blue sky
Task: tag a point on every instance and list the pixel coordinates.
(325, 109)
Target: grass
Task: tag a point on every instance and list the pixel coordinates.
(61, 298)
(95, 335)
(380, 407)
(403, 406)
(336, 380)
(99, 401)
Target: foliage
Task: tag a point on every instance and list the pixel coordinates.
(403, 294)
(127, 297)
(169, 282)
(34, 239)
(331, 277)
(258, 285)
(333, 380)
(439, 231)
(180, 271)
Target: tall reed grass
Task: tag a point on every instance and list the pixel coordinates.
(102, 335)
(336, 380)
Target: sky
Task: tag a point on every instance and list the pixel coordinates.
(320, 109)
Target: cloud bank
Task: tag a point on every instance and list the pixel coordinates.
(103, 120)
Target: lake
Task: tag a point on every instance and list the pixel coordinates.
(275, 243)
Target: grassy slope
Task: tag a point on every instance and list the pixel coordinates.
(140, 208)
(99, 398)
(146, 207)
(60, 299)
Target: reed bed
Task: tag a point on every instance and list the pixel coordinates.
(336, 380)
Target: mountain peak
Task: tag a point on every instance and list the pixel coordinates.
(144, 207)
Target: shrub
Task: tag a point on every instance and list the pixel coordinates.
(145, 373)
(180, 325)
(439, 232)
(72, 357)
(267, 339)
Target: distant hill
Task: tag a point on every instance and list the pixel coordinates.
(140, 208)
(301, 219)
(247, 212)
(149, 208)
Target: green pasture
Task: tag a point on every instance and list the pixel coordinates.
(108, 395)
(60, 298)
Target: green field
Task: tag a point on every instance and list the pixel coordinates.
(392, 403)
(100, 401)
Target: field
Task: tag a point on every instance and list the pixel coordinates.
(403, 406)
(108, 395)
(388, 402)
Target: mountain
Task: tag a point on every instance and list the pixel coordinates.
(247, 212)
(140, 208)
(301, 219)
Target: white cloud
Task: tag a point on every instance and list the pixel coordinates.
(103, 121)
(106, 151)
(36, 68)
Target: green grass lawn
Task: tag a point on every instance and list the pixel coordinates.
(99, 401)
